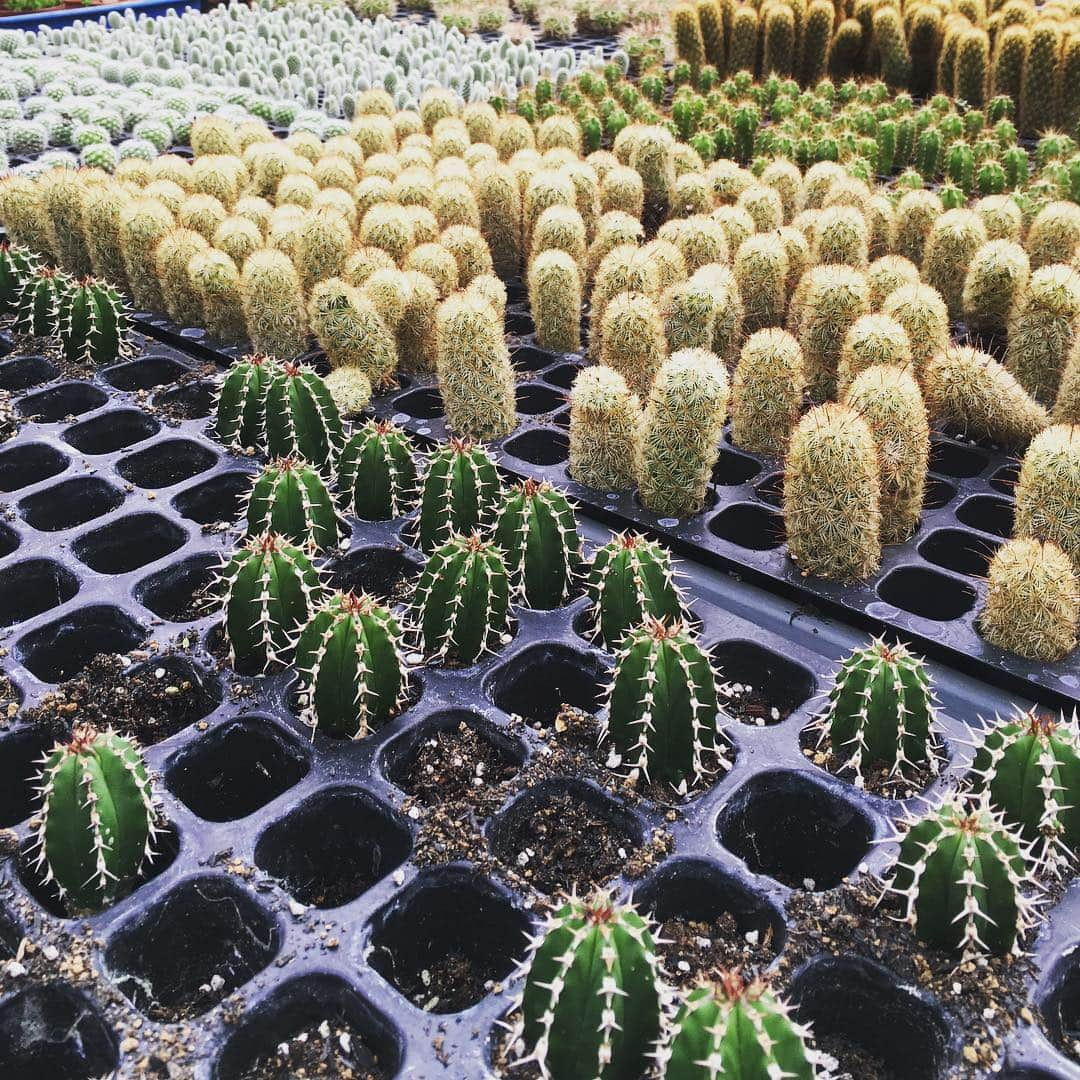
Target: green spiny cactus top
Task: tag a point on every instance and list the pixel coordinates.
(37, 308)
(377, 472)
(301, 417)
(289, 498)
(16, 266)
(459, 493)
(241, 404)
(93, 323)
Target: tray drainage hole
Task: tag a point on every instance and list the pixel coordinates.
(128, 543)
(112, 431)
(26, 371)
(959, 550)
(221, 498)
(987, 513)
(926, 593)
(294, 1015)
(530, 358)
(181, 593)
(453, 755)
(30, 587)
(447, 941)
(859, 1012)
(64, 647)
(1004, 480)
(540, 681)
(756, 528)
(146, 373)
(534, 399)
(563, 376)
(29, 464)
(938, 493)
(795, 830)
(732, 469)
(235, 769)
(763, 687)
(166, 464)
(565, 833)
(539, 446)
(68, 399)
(191, 949)
(423, 404)
(952, 460)
(70, 503)
(192, 401)
(333, 848)
(20, 761)
(1061, 1004)
(771, 489)
(54, 1031)
(386, 572)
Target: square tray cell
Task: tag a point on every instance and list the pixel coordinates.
(534, 399)
(774, 681)
(563, 376)
(128, 543)
(959, 550)
(221, 498)
(70, 503)
(29, 464)
(1060, 1004)
(539, 446)
(750, 526)
(987, 513)
(26, 371)
(423, 404)
(732, 468)
(530, 358)
(948, 459)
(9, 540)
(64, 647)
(937, 493)
(30, 587)
(538, 682)
(146, 373)
(60, 402)
(179, 593)
(380, 569)
(166, 463)
(191, 401)
(21, 753)
(926, 593)
(112, 431)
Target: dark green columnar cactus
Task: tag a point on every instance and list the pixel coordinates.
(459, 493)
(290, 498)
(593, 998)
(241, 404)
(37, 308)
(98, 818)
(93, 323)
(663, 715)
(270, 588)
(537, 532)
(1030, 765)
(631, 579)
(377, 472)
(301, 417)
(881, 710)
(961, 873)
(735, 1029)
(16, 266)
(462, 601)
(352, 666)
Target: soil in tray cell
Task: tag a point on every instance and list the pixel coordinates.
(325, 1050)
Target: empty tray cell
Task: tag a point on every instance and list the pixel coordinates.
(987, 513)
(959, 550)
(539, 446)
(926, 593)
(53, 1032)
(166, 464)
(9, 540)
(20, 762)
(29, 464)
(750, 526)
(60, 402)
(235, 769)
(361, 1042)
(446, 940)
(529, 358)
(518, 322)
(333, 847)
(221, 498)
(128, 543)
(180, 593)
(1004, 479)
(795, 830)
(951, 460)
(64, 647)
(146, 373)
(858, 1010)
(542, 680)
(70, 503)
(192, 948)
(763, 686)
(112, 431)
(770, 489)
(937, 493)
(192, 401)
(384, 571)
(30, 587)
(534, 399)
(732, 469)
(563, 376)
(1060, 1004)
(563, 833)
(26, 371)
(423, 404)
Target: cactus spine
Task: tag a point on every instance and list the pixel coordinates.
(92, 323)
(555, 300)
(301, 419)
(350, 330)
(632, 340)
(377, 472)
(241, 406)
(767, 392)
(604, 430)
(997, 274)
(829, 301)
(40, 301)
(1042, 328)
(215, 278)
(460, 493)
(1048, 488)
(290, 499)
(273, 304)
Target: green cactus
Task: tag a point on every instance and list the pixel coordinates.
(241, 406)
(300, 418)
(16, 266)
(98, 819)
(38, 308)
(377, 472)
(93, 323)
(460, 493)
(290, 499)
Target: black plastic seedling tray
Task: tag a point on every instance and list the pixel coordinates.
(113, 522)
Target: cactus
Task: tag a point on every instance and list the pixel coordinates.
(377, 472)
(604, 430)
(920, 310)
(832, 495)
(829, 301)
(743, 48)
(1040, 86)
(290, 499)
(61, 193)
(38, 308)
(241, 405)
(144, 223)
(92, 323)
(632, 340)
(171, 257)
(971, 74)
(592, 1000)
(761, 271)
(462, 600)
(840, 236)
(1042, 328)
(270, 588)
(98, 818)
(1054, 234)
(273, 304)
(1048, 487)
(102, 206)
(734, 1028)
(997, 274)
(352, 668)
(916, 213)
(555, 301)
(888, 31)
(536, 531)
(630, 580)
(323, 244)
(1010, 57)
(214, 277)
(950, 246)
(767, 392)
(350, 330)
(887, 274)
(16, 266)
(872, 341)
(300, 418)
(1032, 601)
(460, 493)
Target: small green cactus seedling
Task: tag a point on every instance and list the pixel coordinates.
(663, 715)
(592, 1002)
(301, 418)
(241, 406)
(93, 323)
(98, 818)
(38, 307)
(377, 472)
(460, 493)
(604, 430)
(462, 601)
(735, 1029)
(16, 266)
(352, 666)
(289, 498)
(631, 578)
(270, 588)
(961, 874)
